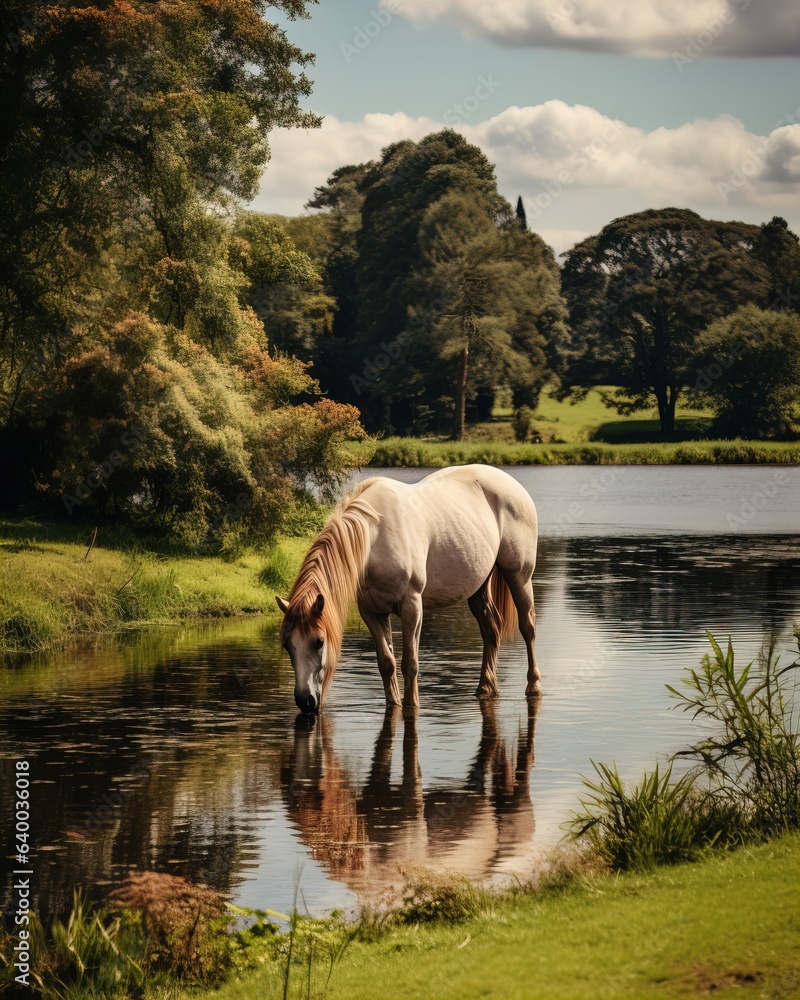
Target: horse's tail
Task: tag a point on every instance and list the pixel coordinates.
(502, 603)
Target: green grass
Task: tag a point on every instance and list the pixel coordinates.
(727, 925)
(55, 591)
(584, 433)
(397, 452)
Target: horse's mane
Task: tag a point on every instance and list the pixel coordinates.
(333, 567)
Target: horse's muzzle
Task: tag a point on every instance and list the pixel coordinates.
(306, 702)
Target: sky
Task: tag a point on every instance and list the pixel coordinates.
(589, 109)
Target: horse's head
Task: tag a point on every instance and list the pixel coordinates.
(303, 636)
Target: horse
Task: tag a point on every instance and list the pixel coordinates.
(462, 533)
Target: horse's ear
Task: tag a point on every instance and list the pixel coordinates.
(319, 604)
(283, 605)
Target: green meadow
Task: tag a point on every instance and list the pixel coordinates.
(586, 432)
(726, 927)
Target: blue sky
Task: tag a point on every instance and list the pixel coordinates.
(705, 101)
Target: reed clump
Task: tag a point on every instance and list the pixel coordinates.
(743, 785)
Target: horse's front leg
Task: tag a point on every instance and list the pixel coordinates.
(381, 630)
(411, 619)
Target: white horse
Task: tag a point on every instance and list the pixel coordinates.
(464, 533)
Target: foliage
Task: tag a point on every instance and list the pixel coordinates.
(754, 357)
(751, 756)
(151, 429)
(523, 422)
(466, 269)
(413, 453)
(641, 291)
(181, 923)
(658, 821)
(124, 124)
(778, 248)
(286, 289)
(394, 299)
(745, 784)
(137, 385)
(439, 895)
(92, 954)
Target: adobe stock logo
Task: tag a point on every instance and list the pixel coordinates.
(363, 36)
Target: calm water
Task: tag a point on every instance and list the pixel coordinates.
(177, 750)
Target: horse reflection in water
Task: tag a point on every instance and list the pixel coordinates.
(362, 837)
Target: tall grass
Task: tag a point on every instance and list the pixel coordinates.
(751, 756)
(655, 822)
(92, 954)
(744, 784)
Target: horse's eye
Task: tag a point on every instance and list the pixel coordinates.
(318, 643)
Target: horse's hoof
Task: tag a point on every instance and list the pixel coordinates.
(486, 693)
(534, 692)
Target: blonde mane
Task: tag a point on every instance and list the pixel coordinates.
(333, 567)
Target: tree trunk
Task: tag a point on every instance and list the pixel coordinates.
(459, 422)
(667, 398)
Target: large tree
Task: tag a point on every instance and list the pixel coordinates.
(136, 381)
(393, 351)
(127, 129)
(778, 248)
(487, 298)
(640, 293)
(749, 365)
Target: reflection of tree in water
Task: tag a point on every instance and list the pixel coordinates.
(362, 836)
(686, 582)
(146, 772)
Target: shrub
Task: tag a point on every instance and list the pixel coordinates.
(655, 822)
(523, 423)
(182, 923)
(91, 955)
(439, 895)
(151, 429)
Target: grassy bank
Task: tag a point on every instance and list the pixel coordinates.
(727, 925)
(56, 589)
(586, 432)
(400, 452)
(589, 419)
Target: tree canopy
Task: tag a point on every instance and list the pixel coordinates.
(749, 364)
(387, 350)
(128, 278)
(641, 291)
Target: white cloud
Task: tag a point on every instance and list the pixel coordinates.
(563, 158)
(655, 28)
(302, 160)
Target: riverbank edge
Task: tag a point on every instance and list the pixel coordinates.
(58, 592)
(408, 453)
(726, 924)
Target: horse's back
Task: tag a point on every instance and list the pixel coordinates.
(450, 528)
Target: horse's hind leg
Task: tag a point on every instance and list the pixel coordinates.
(521, 587)
(490, 633)
(381, 630)
(411, 619)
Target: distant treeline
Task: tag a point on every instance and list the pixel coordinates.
(437, 294)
